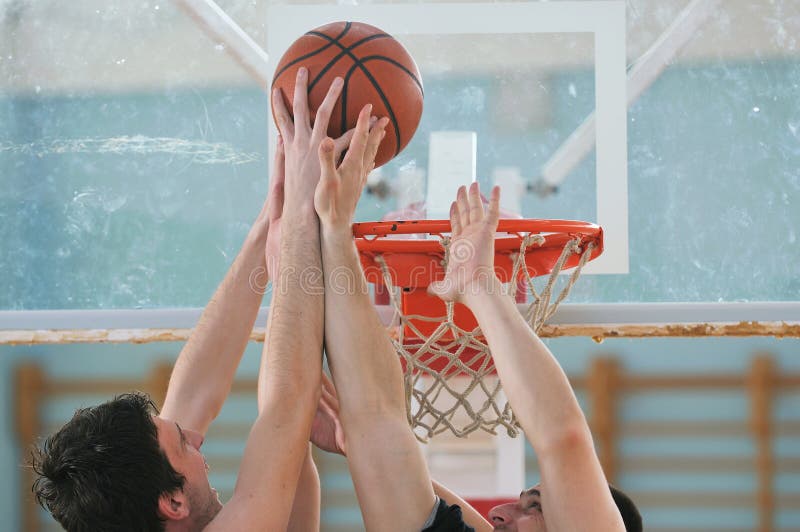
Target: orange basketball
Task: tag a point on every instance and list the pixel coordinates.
(375, 68)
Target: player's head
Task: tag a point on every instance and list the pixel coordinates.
(527, 514)
(117, 466)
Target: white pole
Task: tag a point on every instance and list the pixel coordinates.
(222, 29)
(640, 76)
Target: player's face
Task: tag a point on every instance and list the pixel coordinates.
(182, 447)
(524, 515)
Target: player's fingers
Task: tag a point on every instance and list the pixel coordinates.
(440, 289)
(372, 121)
(355, 154)
(323, 117)
(327, 384)
(475, 203)
(463, 205)
(494, 207)
(342, 143)
(368, 170)
(376, 135)
(325, 393)
(282, 117)
(327, 161)
(300, 101)
(326, 409)
(455, 220)
(330, 399)
(325, 380)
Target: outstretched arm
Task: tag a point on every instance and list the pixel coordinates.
(385, 460)
(575, 494)
(289, 377)
(304, 516)
(329, 436)
(326, 434)
(204, 371)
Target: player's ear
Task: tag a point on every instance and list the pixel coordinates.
(173, 506)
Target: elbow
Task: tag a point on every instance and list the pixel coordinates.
(213, 407)
(570, 438)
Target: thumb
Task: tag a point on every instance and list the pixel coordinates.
(327, 157)
(439, 289)
(342, 143)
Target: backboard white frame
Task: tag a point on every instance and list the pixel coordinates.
(605, 19)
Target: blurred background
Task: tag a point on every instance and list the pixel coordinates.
(134, 156)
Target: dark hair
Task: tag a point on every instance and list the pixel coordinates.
(630, 514)
(104, 470)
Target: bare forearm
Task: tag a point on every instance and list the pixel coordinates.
(288, 382)
(205, 369)
(358, 347)
(368, 378)
(532, 379)
(293, 347)
(270, 469)
(305, 508)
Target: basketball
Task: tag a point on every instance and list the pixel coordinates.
(375, 68)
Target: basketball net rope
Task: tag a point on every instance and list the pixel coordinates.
(463, 397)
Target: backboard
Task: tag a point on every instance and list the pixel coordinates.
(537, 97)
(490, 105)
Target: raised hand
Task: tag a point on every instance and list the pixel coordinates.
(340, 186)
(470, 266)
(301, 139)
(326, 430)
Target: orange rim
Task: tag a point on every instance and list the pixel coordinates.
(415, 263)
(369, 235)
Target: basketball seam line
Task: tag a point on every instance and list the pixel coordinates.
(344, 51)
(398, 65)
(358, 63)
(352, 47)
(315, 52)
(384, 99)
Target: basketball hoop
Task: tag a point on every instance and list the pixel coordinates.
(447, 364)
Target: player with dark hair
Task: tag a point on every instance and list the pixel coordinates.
(122, 466)
(84, 462)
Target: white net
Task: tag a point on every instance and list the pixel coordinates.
(449, 374)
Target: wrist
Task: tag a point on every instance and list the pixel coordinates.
(303, 214)
(260, 228)
(336, 233)
(483, 290)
